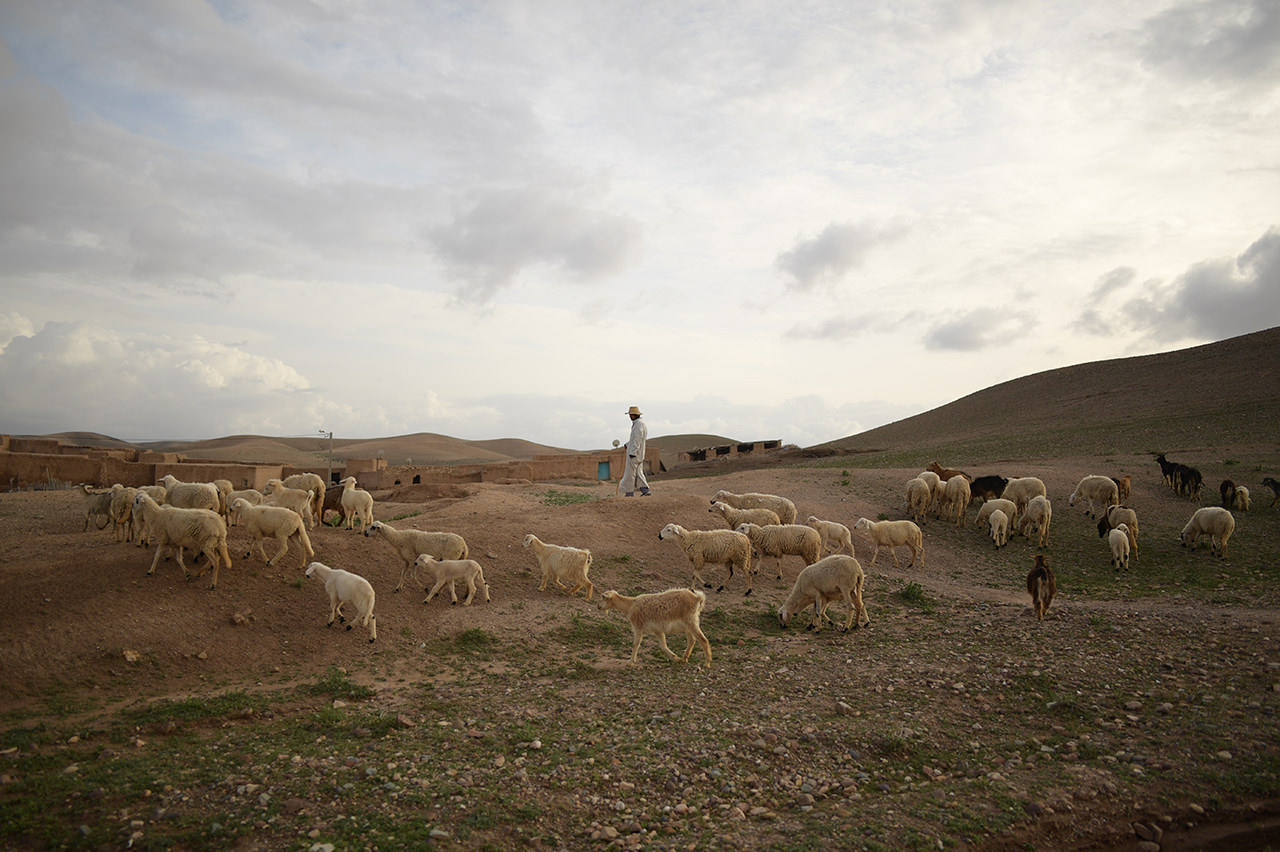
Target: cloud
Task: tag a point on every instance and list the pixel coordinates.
(978, 329)
(1232, 40)
(830, 255)
(503, 233)
(835, 328)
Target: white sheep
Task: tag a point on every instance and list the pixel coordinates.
(1022, 490)
(410, 544)
(1009, 508)
(225, 488)
(999, 524)
(779, 540)
(314, 483)
(1118, 538)
(122, 511)
(733, 517)
(1242, 502)
(342, 587)
(1101, 490)
(275, 522)
(191, 495)
(141, 535)
(356, 502)
(937, 489)
(1038, 514)
(559, 562)
(1213, 521)
(893, 534)
(919, 498)
(955, 498)
(202, 530)
(781, 506)
(252, 496)
(717, 547)
(659, 613)
(96, 504)
(450, 571)
(835, 577)
(1114, 517)
(276, 493)
(834, 535)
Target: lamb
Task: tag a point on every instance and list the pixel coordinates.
(1242, 502)
(277, 493)
(1124, 486)
(191, 495)
(450, 571)
(999, 523)
(779, 540)
(310, 482)
(559, 562)
(1117, 515)
(834, 535)
(277, 522)
(96, 503)
(955, 498)
(356, 503)
(343, 587)
(1009, 508)
(1100, 489)
(202, 530)
(1119, 541)
(411, 544)
(121, 513)
(919, 498)
(718, 547)
(1042, 586)
(252, 496)
(1269, 482)
(1039, 513)
(781, 506)
(987, 487)
(835, 577)
(1213, 521)
(734, 517)
(1023, 489)
(892, 534)
(660, 613)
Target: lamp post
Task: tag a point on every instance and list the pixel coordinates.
(330, 478)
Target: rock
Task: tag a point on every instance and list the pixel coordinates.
(1148, 846)
(131, 655)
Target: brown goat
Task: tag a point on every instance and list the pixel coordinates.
(1042, 586)
(945, 473)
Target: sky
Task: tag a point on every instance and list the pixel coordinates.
(760, 220)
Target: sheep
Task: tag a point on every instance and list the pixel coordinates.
(726, 547)
(1269, 482)
(1228, 492)
(202, 530)
(660, 613)
(1124, 486)
(559, 562)
(779, 540)
(999, 523)
(96, 503)
(1242, 501)
(356, 503)
(225, 488)
(1022, 489)
(191, 495)
(1189, 482)
(121, 513)
(1100, 489)
(450, 571)
(1213, 521)
(342, 587)
(919, 498)
(1042, 586)
(733, 517)
(835, 577)
(276, 493)
(946, 474)
(834, 535)
(987, 487)
(141, 535)
(1119, 541)
(1114, 517)
(313, 482)
(410, 544)
(892, 534)
(956, 498)
(252, 496)
(277, 522)
(781, 506)
(1039, 513)
(1009, 508)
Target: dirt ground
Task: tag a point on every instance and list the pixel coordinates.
(83, 621)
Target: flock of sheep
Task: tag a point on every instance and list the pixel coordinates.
(175, 516)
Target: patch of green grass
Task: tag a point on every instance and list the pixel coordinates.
(336, 684)
(404, 515)
(554, 497)
(192, 709)
(475, 639)
(913, 595)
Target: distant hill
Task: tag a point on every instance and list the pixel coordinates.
(673, 445)
(420, 448)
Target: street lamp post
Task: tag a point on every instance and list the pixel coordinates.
(330, 477)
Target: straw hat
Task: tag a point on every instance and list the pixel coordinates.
(634, 410)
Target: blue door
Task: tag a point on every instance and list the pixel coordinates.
(602, 471)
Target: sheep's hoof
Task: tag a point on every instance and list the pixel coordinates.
(718, 588)
(453, 603)
(747, 592)
(371, 640)
(349, 626)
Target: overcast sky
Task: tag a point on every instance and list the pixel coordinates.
(767, 220)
